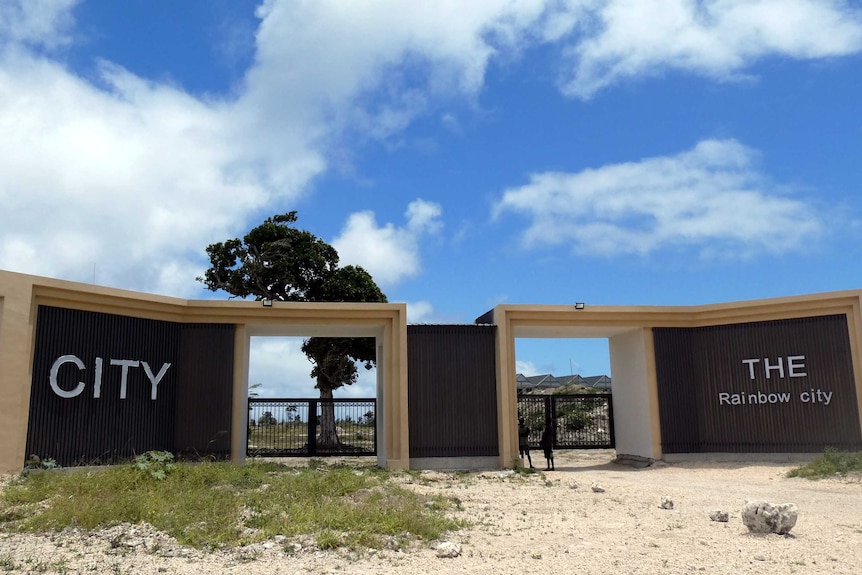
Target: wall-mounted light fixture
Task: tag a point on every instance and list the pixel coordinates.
(267, 303)
(579, 305)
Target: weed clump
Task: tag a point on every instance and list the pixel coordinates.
(832, 462)
(156, 464)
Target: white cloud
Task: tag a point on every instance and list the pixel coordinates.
(280, 367)
(132, 177)
(136, 178)
(44, 23)
(389, 253)
(420, 312)
(365, 386)
(710, 198)
(278, 364)
(326, 57)
(526, 368)
(716, 38)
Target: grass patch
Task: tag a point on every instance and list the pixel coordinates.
(218, 504)
(832, 462)
(7, 563)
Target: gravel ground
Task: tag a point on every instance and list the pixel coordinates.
(552, 522)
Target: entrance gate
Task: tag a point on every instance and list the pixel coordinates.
(290, 427)
(581, 421)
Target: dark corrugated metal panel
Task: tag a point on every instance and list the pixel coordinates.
(204, 396)
(709, 402)
(452, 390)
(486, 318)
(83, 428)
(675, 372)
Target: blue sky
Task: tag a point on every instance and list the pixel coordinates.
(615, 152)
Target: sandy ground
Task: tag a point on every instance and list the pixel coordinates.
(551, 522)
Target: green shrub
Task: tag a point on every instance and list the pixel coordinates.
(156, 464)
(832, 462)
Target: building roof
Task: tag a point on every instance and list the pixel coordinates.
(529, 383)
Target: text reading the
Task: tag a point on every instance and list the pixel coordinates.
(123, 364)
(794, 363)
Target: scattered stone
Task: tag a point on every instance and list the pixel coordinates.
(448, 550)
(720, 516)
(597, 488)
(636, 461)
(764, 517)
(574, 485)
(666, 502)
(759, 558)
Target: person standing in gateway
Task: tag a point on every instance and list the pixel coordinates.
(524, 440)
(547, 444)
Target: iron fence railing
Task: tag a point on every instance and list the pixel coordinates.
(288, 427)
(581, 421)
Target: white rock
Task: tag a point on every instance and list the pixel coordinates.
(765, 517)
(719, 515)
(448, 549)
(666, 502)
(597, 488)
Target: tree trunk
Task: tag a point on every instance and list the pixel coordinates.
(333, 368)
(328, 438)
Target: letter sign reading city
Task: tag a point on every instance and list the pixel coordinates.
(124, 364)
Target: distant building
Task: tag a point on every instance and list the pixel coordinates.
(544, 382)
(571, 380)
(602, 382)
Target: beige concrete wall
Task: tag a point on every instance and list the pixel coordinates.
(22, 294)
(239, 414)
(629, 331)
(16, 350)
(397, 431)
(507, 398)
(635, 394)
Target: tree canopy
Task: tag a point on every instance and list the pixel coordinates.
(279, 262)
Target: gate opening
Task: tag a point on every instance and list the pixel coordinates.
(288, 417)
(566, 381)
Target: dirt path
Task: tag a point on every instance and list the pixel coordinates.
(548, 522)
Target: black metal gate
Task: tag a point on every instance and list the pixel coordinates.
(581, 421)
(291, 427)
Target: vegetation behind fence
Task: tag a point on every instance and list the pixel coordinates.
(291, 427)
(581, 421)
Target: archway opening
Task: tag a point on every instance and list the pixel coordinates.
(288, 414)
(563, 393)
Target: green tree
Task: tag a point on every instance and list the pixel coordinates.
(267, 418)
(276, 261)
